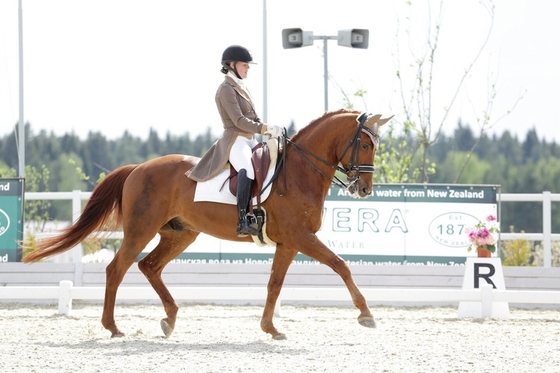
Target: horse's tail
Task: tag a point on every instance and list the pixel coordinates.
(106, 198)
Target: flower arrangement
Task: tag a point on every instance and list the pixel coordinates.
(484, 234)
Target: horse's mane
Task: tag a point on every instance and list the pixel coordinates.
(323, 117)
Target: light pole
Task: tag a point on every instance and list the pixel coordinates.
(297, 38)
(21, 126)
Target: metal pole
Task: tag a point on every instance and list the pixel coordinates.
(326, 71)
(21, 127)
(265, 66)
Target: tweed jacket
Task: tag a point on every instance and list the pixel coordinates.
(239, 119)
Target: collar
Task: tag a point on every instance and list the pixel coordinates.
(238, 81)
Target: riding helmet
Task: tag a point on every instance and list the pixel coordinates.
(236, 53)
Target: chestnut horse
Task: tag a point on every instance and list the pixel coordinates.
(156, 197)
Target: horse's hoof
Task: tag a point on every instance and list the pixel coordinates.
(368, 322)
(167, 329)
(118, 334)
(279, 337)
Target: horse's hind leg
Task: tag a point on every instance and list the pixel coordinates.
(115, 271)
(282, 260)
(170, 246)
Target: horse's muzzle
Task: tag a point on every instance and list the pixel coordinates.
(359, 187)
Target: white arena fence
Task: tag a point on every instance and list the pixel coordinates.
(486, 295)
(546, 198)
(305, 284)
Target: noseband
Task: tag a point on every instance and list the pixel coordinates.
(353, 170)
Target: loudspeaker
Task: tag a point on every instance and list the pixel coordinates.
(296, 38)
(353, 38)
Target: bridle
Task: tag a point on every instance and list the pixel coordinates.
(353, 170)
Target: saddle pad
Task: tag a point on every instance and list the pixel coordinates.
(209, 191)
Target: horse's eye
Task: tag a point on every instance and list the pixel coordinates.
(365, 147)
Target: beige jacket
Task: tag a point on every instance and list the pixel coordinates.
(239, 118)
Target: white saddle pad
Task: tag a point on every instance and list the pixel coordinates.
(217, 189)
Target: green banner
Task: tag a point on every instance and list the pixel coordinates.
(433, 193)
(11, 220)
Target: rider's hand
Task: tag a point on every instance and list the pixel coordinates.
(273, 131)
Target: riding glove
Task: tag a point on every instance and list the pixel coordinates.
(273, 131)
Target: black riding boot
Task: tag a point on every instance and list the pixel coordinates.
(247, 222)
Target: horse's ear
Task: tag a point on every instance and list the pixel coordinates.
(385, 120)
(370, 122)
(377, 119)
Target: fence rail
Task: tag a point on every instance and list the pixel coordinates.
(545, 197)
(546, 236)
(486, 295)
(304, 284)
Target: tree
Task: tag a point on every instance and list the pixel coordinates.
(66, 171)
(291, 129)
(9, 149)
(126, 150)
(151, 148)
(463, 138)
(532, 149)
(509, 145)
(419, 80)
(202, 143)
(70, 143)
(96, 156)
(475, 171)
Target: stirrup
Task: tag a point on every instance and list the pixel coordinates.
(247, 226)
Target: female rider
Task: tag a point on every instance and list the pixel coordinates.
(241, 123)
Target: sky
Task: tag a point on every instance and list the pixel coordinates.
(112, 66)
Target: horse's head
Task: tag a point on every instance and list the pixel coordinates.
(358, 157)
(347, 143)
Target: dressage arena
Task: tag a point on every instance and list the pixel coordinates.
(218, 338)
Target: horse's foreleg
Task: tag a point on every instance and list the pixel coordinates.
(170, 246)
(318, 251)
(282, 260)
(366, 317)
(339, 266)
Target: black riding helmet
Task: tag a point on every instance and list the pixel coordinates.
(235, 53)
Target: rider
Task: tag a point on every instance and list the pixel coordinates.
(241, 123)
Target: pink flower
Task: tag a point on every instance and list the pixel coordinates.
(483, 234)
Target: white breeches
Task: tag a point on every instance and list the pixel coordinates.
(240, 155)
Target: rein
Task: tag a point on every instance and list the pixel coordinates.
(355, 143)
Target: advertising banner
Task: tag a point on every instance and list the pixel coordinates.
(399, 224)
(406, 223)
(11, 221)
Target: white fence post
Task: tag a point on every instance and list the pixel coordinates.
(547, 229)
(486, 298)
(76, 212)
(65, 298)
